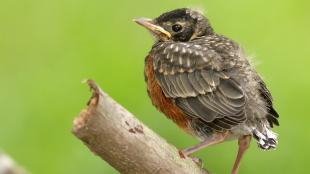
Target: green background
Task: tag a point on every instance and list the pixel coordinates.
(48, 46)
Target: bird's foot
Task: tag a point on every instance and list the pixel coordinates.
(196, 160)
(182, 154)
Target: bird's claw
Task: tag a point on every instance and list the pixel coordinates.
(182, 155)
(196, 160)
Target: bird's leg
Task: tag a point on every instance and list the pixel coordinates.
(244, 143)
(215, 139)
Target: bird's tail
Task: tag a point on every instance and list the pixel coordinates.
(266, 139)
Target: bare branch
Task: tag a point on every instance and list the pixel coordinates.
(8, 166)
(115, 135)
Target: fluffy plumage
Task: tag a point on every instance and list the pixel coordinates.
(205, 83)
(210, 79)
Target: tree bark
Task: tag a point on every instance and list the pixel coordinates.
(119, 138)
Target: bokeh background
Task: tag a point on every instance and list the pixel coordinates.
(48, 46)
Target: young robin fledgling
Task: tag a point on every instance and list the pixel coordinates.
(204, 82)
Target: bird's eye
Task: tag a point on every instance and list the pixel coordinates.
(176, 27)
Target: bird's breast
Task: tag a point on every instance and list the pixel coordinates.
(160, 101)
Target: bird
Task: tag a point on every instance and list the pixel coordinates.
(204, 82)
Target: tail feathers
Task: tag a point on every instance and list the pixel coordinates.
(267, 140)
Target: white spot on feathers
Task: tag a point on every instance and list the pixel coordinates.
(176, 49)
(180, 61)
(188, 62)
(183, 50)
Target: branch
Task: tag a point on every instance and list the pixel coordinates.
(8, 166)
(115, 135)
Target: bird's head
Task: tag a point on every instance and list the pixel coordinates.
(179, 25)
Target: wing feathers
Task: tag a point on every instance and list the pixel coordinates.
(216, 99)
(196, 85)
(231, 90)
(201, 90)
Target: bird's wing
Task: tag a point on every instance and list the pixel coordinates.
(189, 74)
(272, 115)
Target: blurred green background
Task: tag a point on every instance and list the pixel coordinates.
(48, 46)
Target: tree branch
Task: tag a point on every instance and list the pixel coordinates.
(115, 135)
(8, 166)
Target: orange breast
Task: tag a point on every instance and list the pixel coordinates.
(160, 101)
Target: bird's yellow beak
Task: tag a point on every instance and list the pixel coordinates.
(155, 29)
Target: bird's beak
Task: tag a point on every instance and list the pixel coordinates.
(155, 29)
